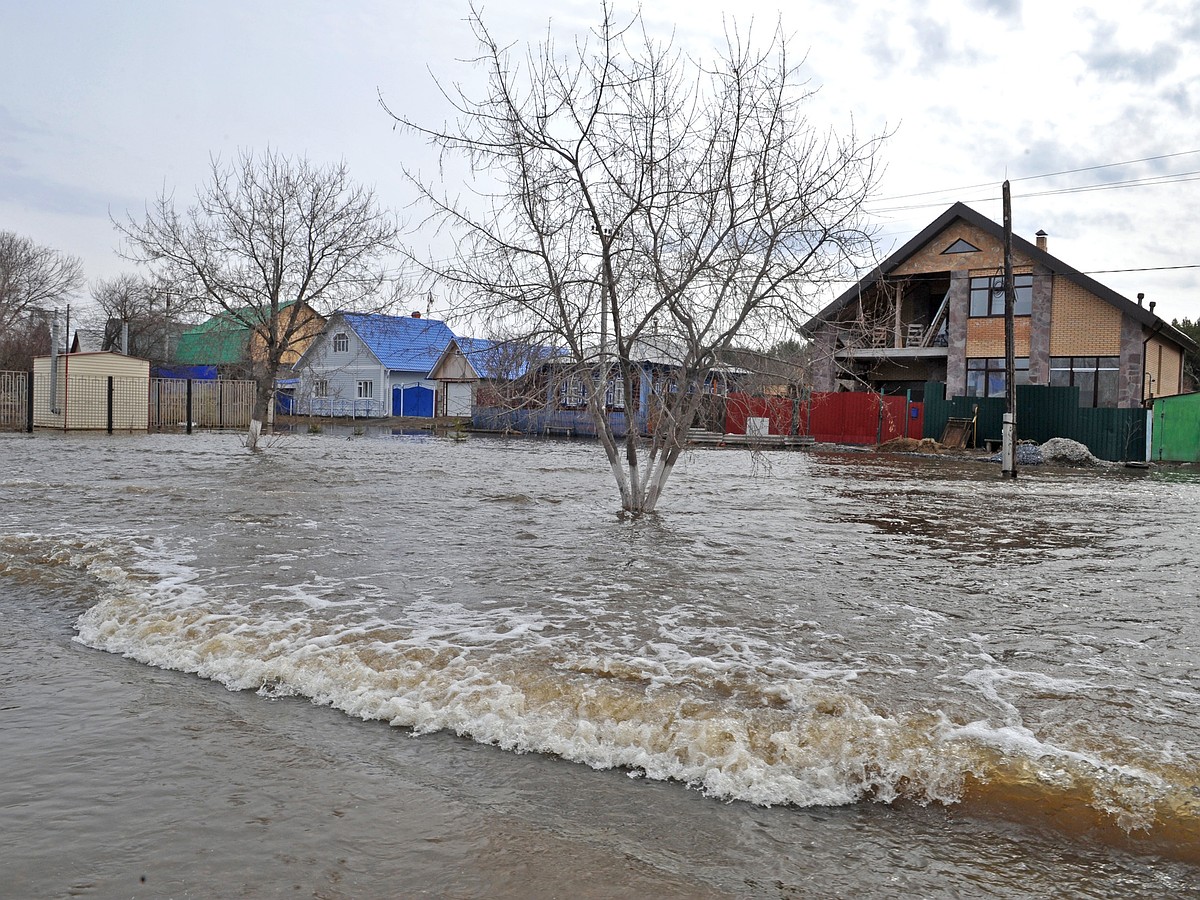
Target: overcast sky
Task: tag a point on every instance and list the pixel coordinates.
(107, 104)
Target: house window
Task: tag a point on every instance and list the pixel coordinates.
(366, 390)
(1095, 376)
(572, 393)
(987, 295)
(616, 394)
(341, 342)
(986, 376)
(961, 246)
(321, 388)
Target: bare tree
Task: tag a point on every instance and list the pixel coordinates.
(269, 242)
(638, 203)
(33, 279)
(148, 312)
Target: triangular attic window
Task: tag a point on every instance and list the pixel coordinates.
(961, 246)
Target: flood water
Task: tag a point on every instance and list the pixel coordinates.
(376, 666)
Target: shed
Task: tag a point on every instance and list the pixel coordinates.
(458, 376)
(76, 393)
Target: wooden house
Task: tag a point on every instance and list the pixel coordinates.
(372, 365)
(233, 342)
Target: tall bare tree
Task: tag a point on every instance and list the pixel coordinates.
(33, 279)
(632, 202)
(268, 238)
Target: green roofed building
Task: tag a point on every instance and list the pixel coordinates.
(221, 341)
(228, 340)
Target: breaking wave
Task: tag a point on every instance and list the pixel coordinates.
(739, 727)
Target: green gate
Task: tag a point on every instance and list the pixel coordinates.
(1176, 429)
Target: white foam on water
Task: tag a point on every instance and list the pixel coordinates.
(992, 681)
(717, 710)
(713, 724)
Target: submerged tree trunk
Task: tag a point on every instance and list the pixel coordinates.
(264, 387)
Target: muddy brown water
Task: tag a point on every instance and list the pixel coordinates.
(394, 666)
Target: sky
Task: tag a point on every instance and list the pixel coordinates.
(1089, 109)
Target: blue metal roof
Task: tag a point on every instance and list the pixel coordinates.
(402, 343)
(504, 359)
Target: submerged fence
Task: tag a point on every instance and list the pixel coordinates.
(214, 404)
(1044, 412)
(116, 403)
(14, 401)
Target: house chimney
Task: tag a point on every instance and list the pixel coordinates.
(1041, 240)
(416, 314)
(1141, 297)
(1153, 303)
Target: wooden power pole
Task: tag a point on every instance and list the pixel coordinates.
(1008, 443)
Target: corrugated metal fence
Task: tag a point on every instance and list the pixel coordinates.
(839, 418)
(1044, 412)
(1176, 429)
(133, 404)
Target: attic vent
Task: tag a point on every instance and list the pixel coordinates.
(961, 246)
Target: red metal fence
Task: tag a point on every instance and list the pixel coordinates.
(839, 418)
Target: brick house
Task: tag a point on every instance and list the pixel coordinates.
(934, 311)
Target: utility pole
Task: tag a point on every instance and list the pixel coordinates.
(1008, 450)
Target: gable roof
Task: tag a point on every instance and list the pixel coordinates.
(508, 359)
(223, 339)
(216, 342)
(402, 343)
(1020, 245)
(88, 340)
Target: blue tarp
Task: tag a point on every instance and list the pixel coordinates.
(196, 373)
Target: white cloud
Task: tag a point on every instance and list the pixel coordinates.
(117, 102)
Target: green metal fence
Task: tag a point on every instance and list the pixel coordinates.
(1043, 412)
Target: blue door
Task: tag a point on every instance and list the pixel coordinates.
(417, 401)
(397, 402)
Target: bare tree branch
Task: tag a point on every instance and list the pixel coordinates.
(33, 279)
(639, 204)
(267, 239)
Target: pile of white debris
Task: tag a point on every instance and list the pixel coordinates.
(1067, 452)
(1061, 451)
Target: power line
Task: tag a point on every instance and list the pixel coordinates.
(1153, 181)
(1180, 178)
(973, 187)
(1145, 269)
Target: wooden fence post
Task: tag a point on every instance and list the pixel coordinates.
(110, 403)
(189, 407)
(29, 402)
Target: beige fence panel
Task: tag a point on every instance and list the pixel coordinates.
(82, 403)
(168, 404)
(215, 404)
(14, 399)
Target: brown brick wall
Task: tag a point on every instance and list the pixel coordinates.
(1163, 363)
(989, 260)
(985, 337)
(1082, 324)
(931, 258)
